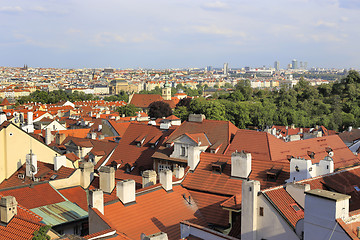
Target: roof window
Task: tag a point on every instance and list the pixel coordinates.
(295, 207)
(218, 167)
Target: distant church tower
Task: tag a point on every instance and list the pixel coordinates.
(166, 91)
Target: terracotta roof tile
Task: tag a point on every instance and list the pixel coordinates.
(76, 195)
(154, 212)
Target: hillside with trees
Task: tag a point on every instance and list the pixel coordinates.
(335, 105)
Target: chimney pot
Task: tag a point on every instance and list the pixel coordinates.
(107, 179)
(96, 200)
(8, 208)
(148, 178)
(240, 164)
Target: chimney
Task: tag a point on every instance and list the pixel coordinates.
(59, 138)
(350, 129)
(31, 164)
(96, 200)
(99, 128)
(148, 178)
(21, 118)
(166, 179)
(179, 172)
(297, 192)
(87, 174)
(3, 117)
(240, 164)
(107, 179)
(47, 136)
(8, 208)
(30, 118)
(59, 161)
(101, 137)
(125, 191)
(196, 117)
(156, 236)
(249, 208)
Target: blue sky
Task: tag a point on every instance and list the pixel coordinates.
(179, 33)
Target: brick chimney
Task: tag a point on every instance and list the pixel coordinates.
(166, 179)
(125, 191)
(107, 179)
(148, 178)
(96, 200)
(8, 208)
(240, 164)
(196, 117)
(87, 174)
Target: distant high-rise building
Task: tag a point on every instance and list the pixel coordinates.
(305, 65)
(208, 68)
(226, 68)
(294, 64)
(277, 65)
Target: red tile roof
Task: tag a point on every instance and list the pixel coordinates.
(45, 173)
(225, 130)
(144, 100)
(19, 229)
(33, 196)
(283, 201)
(210, 207)
(76, 195)
(154, 212)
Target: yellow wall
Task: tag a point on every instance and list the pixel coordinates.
(15, 144)
(72, 181)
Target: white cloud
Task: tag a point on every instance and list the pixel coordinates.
(215, 6)
(322, 23)
(10, 9)
(215, 30)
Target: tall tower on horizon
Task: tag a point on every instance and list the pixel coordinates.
(294, 64)
(277, 65)
(226, 68)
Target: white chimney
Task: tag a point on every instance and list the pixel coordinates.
(59, 161)
(3, 117)
(240, 164)
(297, 192)
(107, 179)
(96, 200)
(166, 179)
(179, 172)
(8, 208)
(249, 209)
(47, 136)
(350, 129)
(99, 128)
(31, 164)
(87, 174)
(125, 191)
(30, 118)
(148, 178)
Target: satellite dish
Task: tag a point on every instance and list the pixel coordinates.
(331, 154)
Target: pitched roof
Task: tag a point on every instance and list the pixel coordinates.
(154, 212)
(76, 195)
(223, 134)
(33, 196)
(283, 202)
(144, 100)
(19, 228)
(46, 172)
(264, 146)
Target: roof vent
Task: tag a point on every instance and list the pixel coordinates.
(218, 167)
(311, 154)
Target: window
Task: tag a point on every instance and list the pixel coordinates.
(183, 151)
(295, 207)
(261, 211)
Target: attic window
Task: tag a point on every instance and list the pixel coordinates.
(311, 154)
(295, 207)
(289, 157)
(357, 188)
(272, 174)
(218, 167)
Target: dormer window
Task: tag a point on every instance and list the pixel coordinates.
(183, 151)
(218, 167)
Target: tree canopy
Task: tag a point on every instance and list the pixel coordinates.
(159, 109)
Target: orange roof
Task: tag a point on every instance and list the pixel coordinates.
(19, 228)
(76, 195)
(33, 196)
(144, 100)
(154, 212)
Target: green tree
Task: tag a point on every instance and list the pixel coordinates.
(128, 110)
(159, 109)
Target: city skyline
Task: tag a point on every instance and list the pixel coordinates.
(179, 34)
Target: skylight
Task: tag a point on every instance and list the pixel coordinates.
(295, 207)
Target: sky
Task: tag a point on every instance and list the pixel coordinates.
(179, 33)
